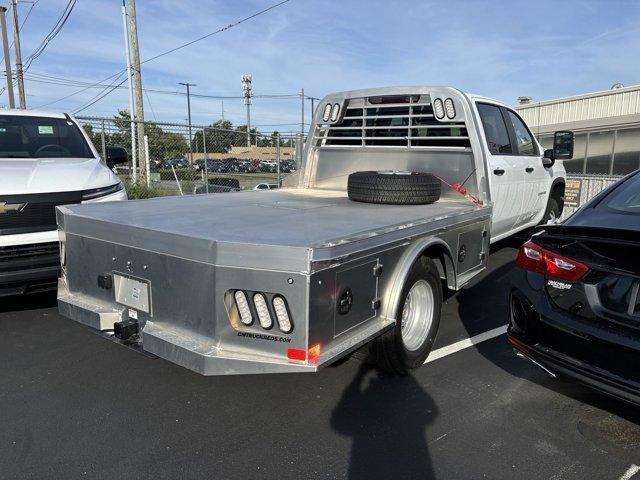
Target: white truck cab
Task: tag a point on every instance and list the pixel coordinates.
(525, 188)
(46, 160)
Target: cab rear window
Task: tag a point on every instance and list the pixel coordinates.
(495, 130)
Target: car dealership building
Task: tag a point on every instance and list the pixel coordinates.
(606, 126)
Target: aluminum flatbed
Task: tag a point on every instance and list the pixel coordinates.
(167, 255)
(247, 228)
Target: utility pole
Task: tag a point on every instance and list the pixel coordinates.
(16, 43)
(137, 84)
(222, 101)
(7, 59)
(246, 91)
(134, 152)
(302, 112)
(187, 84)
(313, 108)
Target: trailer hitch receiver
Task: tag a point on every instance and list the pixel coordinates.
(126, 330)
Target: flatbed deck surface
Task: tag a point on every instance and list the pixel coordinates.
(287, 217)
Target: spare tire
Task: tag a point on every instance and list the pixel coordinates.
(396, 188)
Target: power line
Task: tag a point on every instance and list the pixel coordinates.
(55, 30)
(231, 25)
(33, 4)
(53, 80)
(28, 13)
(151, 106)
(78, 110)
(117, 75)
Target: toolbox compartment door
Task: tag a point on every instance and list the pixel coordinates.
(472, 251)
(356, 290)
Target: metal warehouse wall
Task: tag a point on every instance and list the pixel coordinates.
(591, 106)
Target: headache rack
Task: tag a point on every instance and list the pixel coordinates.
(391, 121)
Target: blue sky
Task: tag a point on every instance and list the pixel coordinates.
(543, 49)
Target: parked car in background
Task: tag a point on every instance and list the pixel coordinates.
(198, 165)
(266, 186)
(178, 162)
(219, 185)
(155, 165)
(575, 303)
(245, 166)
(217, 166)
(46, 160)
(288, 166)
(211, 164)
(269, 166)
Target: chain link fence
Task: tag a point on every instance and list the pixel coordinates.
(182, 159)
(580, 188)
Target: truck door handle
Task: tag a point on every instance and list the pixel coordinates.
(498, 171)
(529, 169)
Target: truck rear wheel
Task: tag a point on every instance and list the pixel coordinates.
(552, 212)
(409, 343)
(396, 188)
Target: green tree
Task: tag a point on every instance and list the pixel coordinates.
(95, 137)
(240, 139)
(220, 137)
(165, 145)
(162, 145)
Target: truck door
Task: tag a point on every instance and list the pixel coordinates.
(534, 190)
(505, 176)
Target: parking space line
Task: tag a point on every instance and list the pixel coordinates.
(466, 343)
(631, 471)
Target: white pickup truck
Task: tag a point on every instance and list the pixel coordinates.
(398, 196)
(46, 160)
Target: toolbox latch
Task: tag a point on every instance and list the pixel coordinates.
(375, 304)
(377, 269)
(105, 281)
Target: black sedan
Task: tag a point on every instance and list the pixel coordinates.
(575, 299)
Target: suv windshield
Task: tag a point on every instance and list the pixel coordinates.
(625, 198)
(37, 137)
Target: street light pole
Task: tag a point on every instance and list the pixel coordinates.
(16, 43)
(7, 60)
(188, 85)
(313, 107)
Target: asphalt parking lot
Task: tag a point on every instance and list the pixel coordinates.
(73, 405)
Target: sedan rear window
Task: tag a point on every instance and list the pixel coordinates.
(24, 136)
(625, 198)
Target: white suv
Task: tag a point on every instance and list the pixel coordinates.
(46, 160)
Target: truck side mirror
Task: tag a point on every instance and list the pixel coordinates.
(563, 145)
(548, 160)
(115, 155)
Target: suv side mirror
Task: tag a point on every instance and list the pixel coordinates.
(115, 155)
(563, 145)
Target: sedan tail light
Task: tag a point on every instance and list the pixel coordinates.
(534, 258)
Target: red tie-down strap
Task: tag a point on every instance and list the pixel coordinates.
(461, 190)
